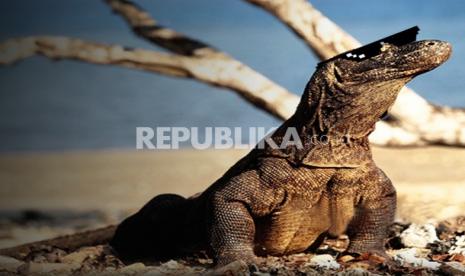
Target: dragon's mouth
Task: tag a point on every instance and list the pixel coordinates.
(384, 116)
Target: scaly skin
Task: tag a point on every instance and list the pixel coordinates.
(281, 201)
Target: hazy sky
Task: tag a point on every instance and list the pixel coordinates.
(48, 105)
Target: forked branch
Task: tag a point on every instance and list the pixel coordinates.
(214, 68)
(146, 27)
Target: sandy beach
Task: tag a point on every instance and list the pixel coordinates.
(430, 181)
(73, 191)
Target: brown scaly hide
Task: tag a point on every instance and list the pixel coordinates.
(285, 200)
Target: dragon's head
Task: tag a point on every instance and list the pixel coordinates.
(348, 93)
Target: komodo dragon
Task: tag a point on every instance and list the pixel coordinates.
(285, 200)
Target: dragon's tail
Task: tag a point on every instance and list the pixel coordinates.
(159, 229)
(155, 230)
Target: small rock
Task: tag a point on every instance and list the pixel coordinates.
(80, 256)
(459, 246)
(324, 261)
(410, 256)
(172, 265)
(359, 266)
(439, 247)
(205, 261)
(440, 257)
(457, 258)
(449, 228)
(237, 268)
(132, 269)
(355, 272)
(55, 255)
(258, 273)
(46, 268)
(453, 268)
(39, 259)
(346, 258)
(9, 264)
(173, 268)
(418, 235)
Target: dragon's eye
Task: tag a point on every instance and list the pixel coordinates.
(385, 46)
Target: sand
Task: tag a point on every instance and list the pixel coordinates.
(430, 180)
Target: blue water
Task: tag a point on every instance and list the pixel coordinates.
(67, 105)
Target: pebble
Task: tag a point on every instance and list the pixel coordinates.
(324, 261)
(9, 264)
(355, 272)
(46, 268)
(237, 268)
(410, 256)
(132, 269)
(172, 265)
(54, 256)
(171, 268)
(418, 235)
(346, 258)
(459, 246)
(453, 268)
(78, 257)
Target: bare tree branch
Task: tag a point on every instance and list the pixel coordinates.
(430, 124)
(223, 70)
(146, 27)
(215, 68)
(322, 35)
(193, 59)
(56, 48)
(434, 124)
